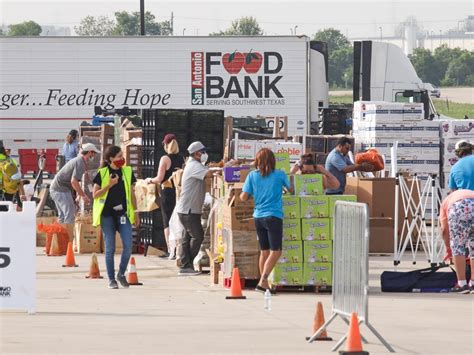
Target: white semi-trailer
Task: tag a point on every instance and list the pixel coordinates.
(49, 85)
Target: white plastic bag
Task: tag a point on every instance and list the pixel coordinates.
(176, 228)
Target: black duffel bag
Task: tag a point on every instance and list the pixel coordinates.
(424, 280)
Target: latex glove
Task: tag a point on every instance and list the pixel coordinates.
(149, 180)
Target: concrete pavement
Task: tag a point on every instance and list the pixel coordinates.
(176, 315)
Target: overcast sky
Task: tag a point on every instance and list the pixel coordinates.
(352, 17)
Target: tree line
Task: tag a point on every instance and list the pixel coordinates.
(442, 67)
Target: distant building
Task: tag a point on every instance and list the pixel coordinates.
(413, 38)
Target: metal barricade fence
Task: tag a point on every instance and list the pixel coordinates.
(350, 268)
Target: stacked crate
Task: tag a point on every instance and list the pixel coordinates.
(188, 126)
(307, 234)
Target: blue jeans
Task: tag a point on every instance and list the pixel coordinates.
(111, 225)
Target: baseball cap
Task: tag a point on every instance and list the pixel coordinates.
(461, 144)
(195, 147)
(89, 147)
(169, 138)
(73, 132)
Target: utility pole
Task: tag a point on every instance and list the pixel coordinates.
(381, 37)
(142, 17)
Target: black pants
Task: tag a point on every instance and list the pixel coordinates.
(191, 243)
(11, 198)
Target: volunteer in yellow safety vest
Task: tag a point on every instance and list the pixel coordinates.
(114, 210)
(11, 186)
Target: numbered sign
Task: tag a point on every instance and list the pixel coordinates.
(17, 258)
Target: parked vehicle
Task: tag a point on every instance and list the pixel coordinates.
(50, 85)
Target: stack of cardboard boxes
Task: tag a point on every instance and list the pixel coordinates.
(451, 132)
(380, 124)
(307, 234)
(233, 235)
(130, 141)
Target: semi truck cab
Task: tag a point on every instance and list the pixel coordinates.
(382, 72)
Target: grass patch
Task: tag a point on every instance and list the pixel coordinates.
(346, 99)
(454, 109)
(447, 108)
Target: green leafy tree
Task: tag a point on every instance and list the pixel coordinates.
(459, 69)
(128, 24)
(426, 66)
(245, 26)
(1, 32)
(334, 38)
(96, 26)
(340, 57)
(27, 28)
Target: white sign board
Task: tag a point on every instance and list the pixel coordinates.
(18, 258)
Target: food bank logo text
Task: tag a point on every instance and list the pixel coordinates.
(244, 78)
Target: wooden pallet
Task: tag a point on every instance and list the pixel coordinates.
(303, 288)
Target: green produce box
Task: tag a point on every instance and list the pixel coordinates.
(308, 185)
(291, 207)
(333, 198)
(287, 274)
(316, 229)
(292, 252)
(318, 251)
(314, 206)
(291, 229)
(282, 162)
(317, 274)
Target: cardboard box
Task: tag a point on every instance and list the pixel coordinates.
(314, 206)
(87, 238)
(233, 173)
(316, 229)
(291, 229)
(308, 185)
(128, 135)
(292, 252)
(291, 207)
(287, 274)
(381, 235)
(413, 111)
(238, 241)
(377, 193)
(317, 251)
(333, 198)
(246, 149)
(457, 129)
(283, 162)
(317, 274)
(238, 218)
(293, 149)
(247, 264)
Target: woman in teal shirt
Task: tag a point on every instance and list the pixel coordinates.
(266, 185)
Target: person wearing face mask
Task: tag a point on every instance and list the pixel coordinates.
(114, 210)
(66, 183)
(169, 163)
(189, 206)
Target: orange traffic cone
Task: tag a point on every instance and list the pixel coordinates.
(318, 322)
(132, 277)
(354, 341)
(70, 260)
(54, 250)
(235, 287)
(94, 272)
